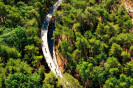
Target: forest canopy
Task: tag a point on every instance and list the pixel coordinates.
(92, 36)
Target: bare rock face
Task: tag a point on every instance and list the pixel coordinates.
(62, 61)
(129, 6)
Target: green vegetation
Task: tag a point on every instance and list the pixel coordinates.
(98, 44)
(21, 58)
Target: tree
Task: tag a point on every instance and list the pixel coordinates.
(125, 81)
(17, 38)
(82, 44)
(20, 80)
(64, 48)
(14, 66)
(114, 71)
(113, 67)
(86, 72)
(68, 81)
(128, 69)
(90, 18)
(41, 72)
(122, 82)
(126, 57)
(100, 29)
(97, 34)
(77, 54)
(2, 80)
(14, 18)
(49, 80)
(45, 85)
(110, 83)
(3, 12)
(33, 34)
(31, 55)
(112, 62)
(95, 47)
(6, 52)
(131, 51)
(125, 40)
(115, 50)
(79, 4)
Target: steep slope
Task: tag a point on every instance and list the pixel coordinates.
(45, 48)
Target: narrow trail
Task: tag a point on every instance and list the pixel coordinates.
(52, 62)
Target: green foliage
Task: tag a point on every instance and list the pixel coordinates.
(64, 48)
(112, 62)
(95, 39)
(18, 35)
(49, 80)
(20, 52)
(126, 57)
(6, 52)
(123, 82)
(3, 10)
(31, 53)
(110, 83)
(20, 80)
(41, 72)
(125, 40)
(2, 80)
(85, 70)
(128, 69)
(45, 85)
(115, 50)
(90, 74)
(13, 66)
(98, 43)
(131, 51)
(68, 81)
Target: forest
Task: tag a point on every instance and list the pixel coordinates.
(93, 37)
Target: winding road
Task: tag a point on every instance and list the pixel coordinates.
(52, 62)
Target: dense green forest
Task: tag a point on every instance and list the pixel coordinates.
(21, 60)
(98, 44)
